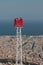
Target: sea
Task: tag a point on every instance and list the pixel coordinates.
(30, 27)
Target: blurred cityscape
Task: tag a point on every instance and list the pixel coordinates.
(32, 50)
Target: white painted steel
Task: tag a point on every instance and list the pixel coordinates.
(19, 43)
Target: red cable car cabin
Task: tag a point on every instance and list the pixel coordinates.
(18, 22)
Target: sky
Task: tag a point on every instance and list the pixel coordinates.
(27, 9)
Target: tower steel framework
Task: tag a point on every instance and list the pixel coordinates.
(18, 23)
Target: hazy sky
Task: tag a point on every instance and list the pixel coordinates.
(28, 9)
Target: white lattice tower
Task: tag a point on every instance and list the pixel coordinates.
(18, 46)
(18, 24)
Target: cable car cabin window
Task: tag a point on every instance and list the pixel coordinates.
(42, 47)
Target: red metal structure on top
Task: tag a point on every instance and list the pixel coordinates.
(18, 22)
